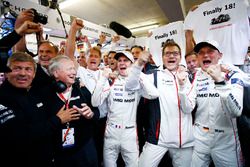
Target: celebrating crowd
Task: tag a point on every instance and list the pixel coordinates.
(59, 110)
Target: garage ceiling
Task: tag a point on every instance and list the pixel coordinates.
(130, 13)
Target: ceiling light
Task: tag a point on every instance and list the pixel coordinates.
(67, 3)
(145, 27)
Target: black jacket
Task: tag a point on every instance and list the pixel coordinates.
(41, 80)
(26, 130)
(83, 128)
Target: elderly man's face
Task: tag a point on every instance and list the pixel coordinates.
(66, 72)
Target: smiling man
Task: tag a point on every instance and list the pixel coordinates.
(169, 126)
(23, 122)
(73, 141)
(120, 133)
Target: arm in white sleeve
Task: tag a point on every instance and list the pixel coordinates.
(187, 96)
(232, 95)
(101, 92)
(133, 82)
(148, 89)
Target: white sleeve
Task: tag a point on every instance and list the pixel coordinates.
(139, 81)
(188, 22)
(232, 95)
(187, 95)
(103, 109)
(101, 92)
(132, 82)
(148, 89)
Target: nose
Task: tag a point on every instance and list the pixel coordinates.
(22, 72)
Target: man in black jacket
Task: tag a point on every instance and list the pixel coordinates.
(74, 144)
(26, 126)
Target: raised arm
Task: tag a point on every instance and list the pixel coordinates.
(76, 26)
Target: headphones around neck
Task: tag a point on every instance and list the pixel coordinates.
(59, 86)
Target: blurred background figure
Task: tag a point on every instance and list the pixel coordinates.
(192, 64)
(105, 58)
(81, 59)
(2, 77)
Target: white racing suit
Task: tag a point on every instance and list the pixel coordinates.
(170, 127)
(215, 128)
(120, 133)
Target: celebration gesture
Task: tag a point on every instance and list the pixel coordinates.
(215, 72)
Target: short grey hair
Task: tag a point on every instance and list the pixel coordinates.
(55, 63)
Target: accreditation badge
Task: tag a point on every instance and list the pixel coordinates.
(68, 139)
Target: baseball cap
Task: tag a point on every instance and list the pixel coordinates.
(211, 43)
(124, 53)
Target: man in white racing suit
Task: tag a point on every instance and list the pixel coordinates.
(169, 126)
(219, 97)
(121, 134)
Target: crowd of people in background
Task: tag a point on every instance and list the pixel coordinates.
(118, 108)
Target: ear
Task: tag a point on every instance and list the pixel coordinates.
(220, 55)
(55, 74)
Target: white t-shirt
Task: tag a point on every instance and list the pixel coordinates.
(172, 31)
(225, 21)
(89, 78)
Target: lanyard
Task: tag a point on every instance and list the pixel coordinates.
(66, 101)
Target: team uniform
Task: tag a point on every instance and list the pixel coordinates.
(215, 128)
(120, 133)
(169, 126)
(230, 27)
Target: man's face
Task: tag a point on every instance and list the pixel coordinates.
(94, 60)
(112, 61)
(171, 58)
(22, 74)
(46, 51)
(105, 59)
(192, 63)
(208, 56)
(81, 59)
(136, 52)
(66, 72)
(122, 64)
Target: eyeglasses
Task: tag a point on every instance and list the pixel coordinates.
(172, 53)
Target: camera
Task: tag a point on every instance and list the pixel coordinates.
(39, 17)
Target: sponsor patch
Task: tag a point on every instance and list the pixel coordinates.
(203, 89)
(118, 94)
(237, 81)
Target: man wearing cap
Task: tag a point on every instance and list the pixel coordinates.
(120, 134)
(219, 98)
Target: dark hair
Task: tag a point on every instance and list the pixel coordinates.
(50, 43)
(191, 53)
(137, 46)
(170, 44)
(111, 52)
(21, 57)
